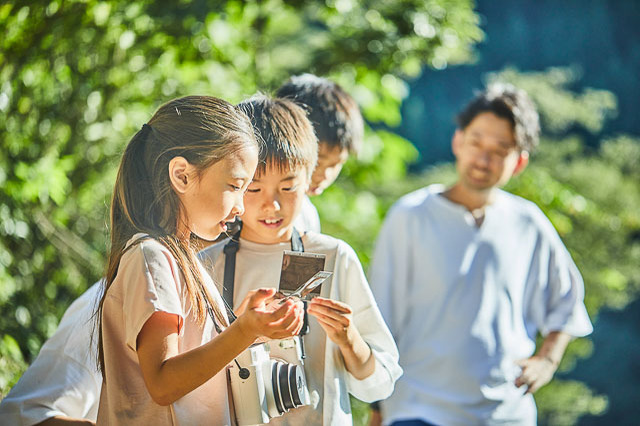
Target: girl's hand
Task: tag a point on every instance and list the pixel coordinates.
(336, 319)
(257, 319)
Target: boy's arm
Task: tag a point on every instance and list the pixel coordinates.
(355, 292)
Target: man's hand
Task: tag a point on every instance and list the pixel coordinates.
(537, 371)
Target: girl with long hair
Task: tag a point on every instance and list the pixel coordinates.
(164, 335)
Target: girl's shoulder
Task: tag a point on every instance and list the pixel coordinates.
(142, 248)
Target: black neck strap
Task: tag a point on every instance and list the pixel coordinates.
(231, 249)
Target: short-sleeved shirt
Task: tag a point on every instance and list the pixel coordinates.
(64, 379)
(258, 265)
(150, 281)
(464, 303)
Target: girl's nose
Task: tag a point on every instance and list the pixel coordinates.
(238, 208)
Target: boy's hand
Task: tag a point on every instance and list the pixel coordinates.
(258, 320)
(335, 318)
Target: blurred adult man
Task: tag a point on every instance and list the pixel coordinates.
(467, 276)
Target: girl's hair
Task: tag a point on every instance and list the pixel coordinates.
(203, 130)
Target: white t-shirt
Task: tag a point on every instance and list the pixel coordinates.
(258, 265)
(150, 281)
(465, 302)
(308, 218)
(64, 379)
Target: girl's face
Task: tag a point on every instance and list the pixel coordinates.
(216, 196)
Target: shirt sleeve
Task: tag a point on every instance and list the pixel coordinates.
(558, 303)
(152, 283)
(374, 331)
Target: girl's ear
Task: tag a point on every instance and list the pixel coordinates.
(180, 174)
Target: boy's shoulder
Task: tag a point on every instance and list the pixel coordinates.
(211, 253)
(323, 243)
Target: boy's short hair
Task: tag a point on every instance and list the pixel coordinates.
(334, 114)
(508, 102)
(289, 139)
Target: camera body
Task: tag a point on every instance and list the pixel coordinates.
(267, 380)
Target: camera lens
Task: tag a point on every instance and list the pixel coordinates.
(283, 380)
(275, 383)
(296, 384)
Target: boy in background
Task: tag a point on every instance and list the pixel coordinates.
(339, 127)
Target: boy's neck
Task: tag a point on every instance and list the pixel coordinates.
(255, 238)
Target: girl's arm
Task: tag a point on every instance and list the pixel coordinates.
(336, 318)
(169, 375)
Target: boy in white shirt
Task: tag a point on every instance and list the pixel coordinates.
(348, 346)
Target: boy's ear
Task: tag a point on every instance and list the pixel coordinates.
(180, 174)
(523, 160)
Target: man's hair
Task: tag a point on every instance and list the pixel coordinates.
(334, 114)
(508, 102)
(289, 140)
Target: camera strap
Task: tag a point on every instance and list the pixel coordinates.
(230, 250)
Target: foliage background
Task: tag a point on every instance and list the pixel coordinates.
(80, 77)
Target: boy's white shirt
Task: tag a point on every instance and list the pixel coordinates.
(308, 218)
(64, 379)
(258, 265)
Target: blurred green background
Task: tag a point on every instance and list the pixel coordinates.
(78, 78)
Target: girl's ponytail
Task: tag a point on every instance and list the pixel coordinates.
(203, 130)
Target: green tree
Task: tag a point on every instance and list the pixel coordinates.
(80, 77)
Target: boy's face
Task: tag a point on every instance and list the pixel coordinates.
(330, 162)
(486, 153)
(272, 202)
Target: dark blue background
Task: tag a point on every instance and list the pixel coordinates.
(601, 38)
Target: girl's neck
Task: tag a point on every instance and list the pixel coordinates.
(183, 232)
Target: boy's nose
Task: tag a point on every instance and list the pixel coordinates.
(272, 204)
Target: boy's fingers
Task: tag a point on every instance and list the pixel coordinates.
(331, 322)
(321, 301)
(328, 312)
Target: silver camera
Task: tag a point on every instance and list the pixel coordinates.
(267, 380)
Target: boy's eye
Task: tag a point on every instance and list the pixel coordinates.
(290, 188)
(253, 190)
